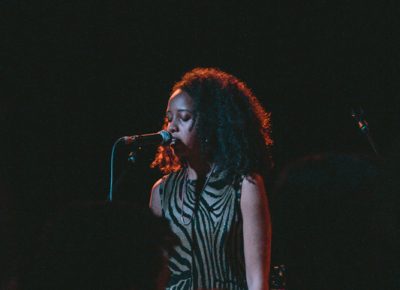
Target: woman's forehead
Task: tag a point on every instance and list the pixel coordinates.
(180, 100)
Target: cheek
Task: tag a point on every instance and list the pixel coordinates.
(191, 142)
(192, 139)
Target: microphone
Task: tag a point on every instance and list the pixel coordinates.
(160, 138)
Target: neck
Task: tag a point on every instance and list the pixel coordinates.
(198, 168)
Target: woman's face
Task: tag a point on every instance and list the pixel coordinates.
(181, 124)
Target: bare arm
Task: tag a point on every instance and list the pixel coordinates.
(256, 232)
(155, 199)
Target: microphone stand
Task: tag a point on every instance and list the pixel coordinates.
(362, 124)
(133, 181)
(132, 158)
(162, 137)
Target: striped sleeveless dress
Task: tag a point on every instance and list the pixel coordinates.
(210, 228)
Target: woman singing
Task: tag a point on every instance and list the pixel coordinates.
(213, 191)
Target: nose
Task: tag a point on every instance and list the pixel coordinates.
(172, 127)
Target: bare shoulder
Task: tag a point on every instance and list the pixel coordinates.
(253, 186)
(156, 185)
(155, 198)
(253, 191)
(253, 180)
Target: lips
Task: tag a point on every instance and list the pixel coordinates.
(175, 142)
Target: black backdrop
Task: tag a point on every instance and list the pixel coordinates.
(76, 76)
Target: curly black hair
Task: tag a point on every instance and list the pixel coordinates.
(232, 126)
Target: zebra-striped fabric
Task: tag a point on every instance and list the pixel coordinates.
(211, 253)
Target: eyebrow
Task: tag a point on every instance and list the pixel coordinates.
(181, 110)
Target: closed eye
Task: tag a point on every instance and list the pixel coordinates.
(186, 118)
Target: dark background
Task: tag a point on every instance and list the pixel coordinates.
(77, 76)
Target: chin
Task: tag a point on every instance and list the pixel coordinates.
(180, 150)
(181, 155)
